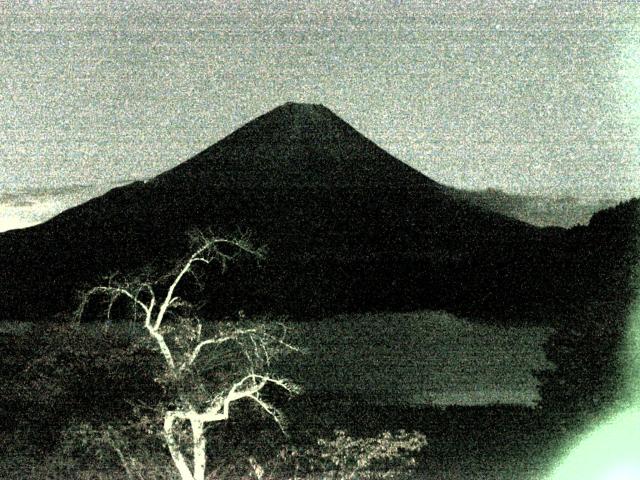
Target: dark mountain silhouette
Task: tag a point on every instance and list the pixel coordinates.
(348, 228)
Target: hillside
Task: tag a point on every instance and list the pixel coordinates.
(348, 228)
(541, 211)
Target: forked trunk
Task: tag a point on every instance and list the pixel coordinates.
(199, 448)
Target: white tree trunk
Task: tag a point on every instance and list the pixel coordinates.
(174, 448)
(199, 449)
(199, 445)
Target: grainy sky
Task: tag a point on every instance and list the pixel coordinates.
(527, 96)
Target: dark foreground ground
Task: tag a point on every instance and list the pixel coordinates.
(465, 443)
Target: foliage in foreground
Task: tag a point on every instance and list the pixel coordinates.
(341, 457)
(205, 371)
(386, 456)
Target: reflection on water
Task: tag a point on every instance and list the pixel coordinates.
(486, 396)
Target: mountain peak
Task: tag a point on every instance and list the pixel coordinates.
(300, 144)
(308, 113)
(302, 106)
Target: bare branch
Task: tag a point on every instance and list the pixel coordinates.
(215, 341)
(208, 246)
(219, 410)
(270, 409)
(113, 293)
(254, 341)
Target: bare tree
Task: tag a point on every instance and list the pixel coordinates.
(185, 343)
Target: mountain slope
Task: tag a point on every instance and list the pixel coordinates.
(348, 228)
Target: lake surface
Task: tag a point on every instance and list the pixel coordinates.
(418, 358)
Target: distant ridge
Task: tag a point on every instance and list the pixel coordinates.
(563, 212)
(348, 228)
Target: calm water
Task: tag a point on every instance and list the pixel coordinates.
(419, 358)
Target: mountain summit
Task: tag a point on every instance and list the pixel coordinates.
(348, 227)
(298, 144)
